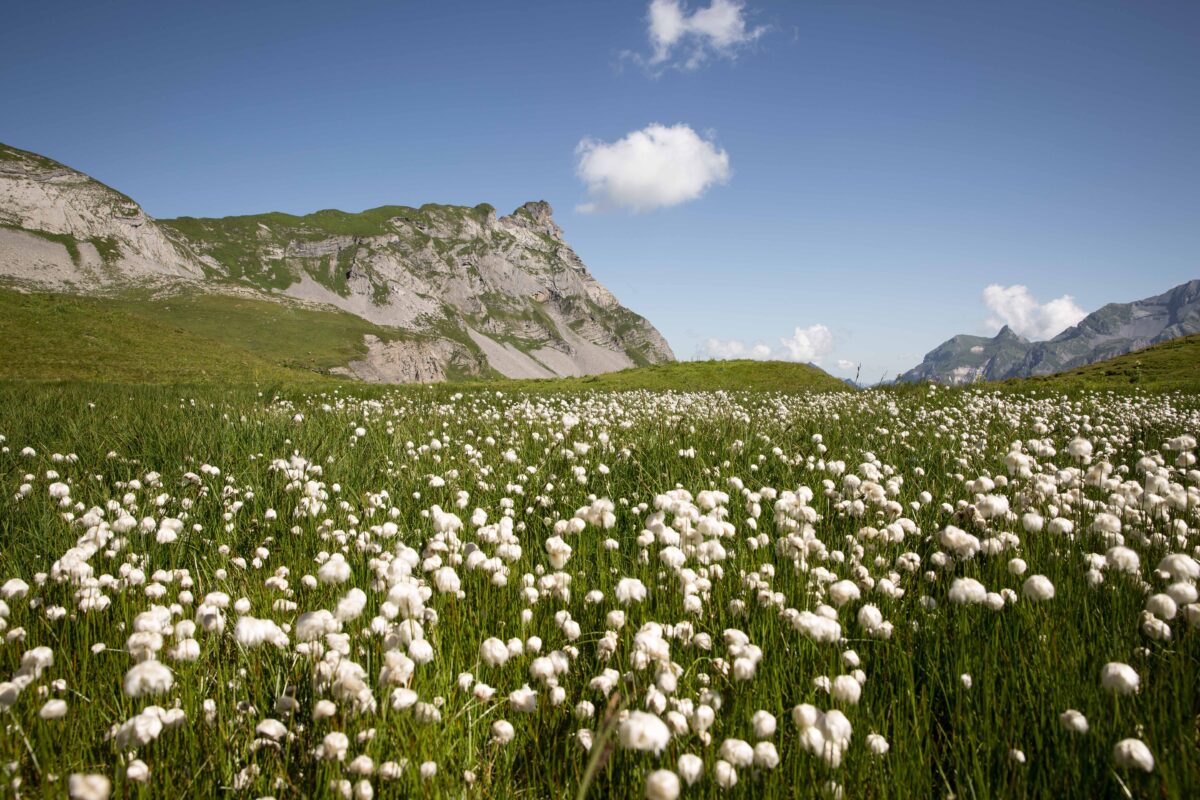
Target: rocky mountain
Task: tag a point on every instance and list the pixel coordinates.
(1114, 330)
(458, 290)
(58, 227)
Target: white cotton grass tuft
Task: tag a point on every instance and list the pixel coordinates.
(823, 733)
(503, 731)
(725, 774)
(737, 752)
(148, 678)
(493, 652)
(843, 592)
(1133, 754)
(82, 786)
(1038, 588)
(1073, 721)
(690, 768)
(137, 771)
(608, 584)
(630, 590)
(335, 570)
(643, 731)
(271, 729)
(1119, 678)
(763, 723)
(334, 746)
(846, 689)
(662, 784)
(53, 709)
(967, 591)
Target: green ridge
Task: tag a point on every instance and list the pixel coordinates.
(741, 375)
(1170, 366)
(61, 337)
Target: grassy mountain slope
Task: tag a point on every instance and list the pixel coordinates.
(286, 334)
(1170, 366)
(59, 337)
(200, 338)
(766, 376)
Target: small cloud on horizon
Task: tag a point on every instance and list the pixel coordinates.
(804, 345)
(1016, 307)
(724, 349)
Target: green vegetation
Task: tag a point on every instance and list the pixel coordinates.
(61, 337)
(1170, 366)
(720, 595)
(108, 248)
(283, 333)
(142, 337)
(698, 376)
(65, 240)
(252, 247)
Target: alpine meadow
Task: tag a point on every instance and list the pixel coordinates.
(409, 501)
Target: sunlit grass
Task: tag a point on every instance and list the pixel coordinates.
(1029, 662)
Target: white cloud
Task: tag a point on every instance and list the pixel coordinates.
(805, 344)
(685, 39)
(733, 348)
(653, 168)
(846, 364)
(809, 344)
(1017, 308)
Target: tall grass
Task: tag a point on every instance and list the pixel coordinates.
(1029, 662)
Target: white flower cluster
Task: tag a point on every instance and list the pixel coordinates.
(432, 579)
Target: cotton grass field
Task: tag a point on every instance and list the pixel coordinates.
(429, 592)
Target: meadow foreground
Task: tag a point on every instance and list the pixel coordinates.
(661, 594)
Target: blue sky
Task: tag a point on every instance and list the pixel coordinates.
(859, 171)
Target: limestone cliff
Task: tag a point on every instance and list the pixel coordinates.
(466, 293)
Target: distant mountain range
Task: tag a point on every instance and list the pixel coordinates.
(1114, 330)
(457, 291)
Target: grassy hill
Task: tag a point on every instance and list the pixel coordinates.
(62, 337)
(287, 334)
(766, 376)
(1170, 366)
(137, 337)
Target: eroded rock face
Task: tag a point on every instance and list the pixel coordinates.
(439, 275)
(411, 361)
(42, 196)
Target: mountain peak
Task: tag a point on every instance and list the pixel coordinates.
(538, 216)
(1007, 333)
(539, 209)
(456, 291)
(1112, 330)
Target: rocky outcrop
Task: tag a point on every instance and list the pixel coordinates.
(512, 280)
(78, 216)
(966, 359)
(413, 361)
(1114, 330)
(469, 292)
